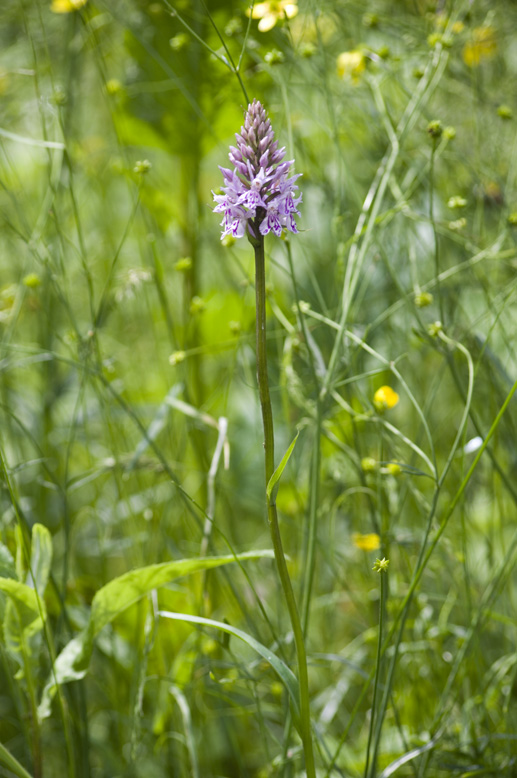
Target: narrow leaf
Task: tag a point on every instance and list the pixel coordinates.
(284, 673)
(41, 558)
(272, 487)
(12, 764)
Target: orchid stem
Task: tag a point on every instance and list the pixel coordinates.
(269, 451)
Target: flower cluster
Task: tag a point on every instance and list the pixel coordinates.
(258, 194)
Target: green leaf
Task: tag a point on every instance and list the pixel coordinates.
(7, 566)
(12, 764)
(126, 590)
(272, 487)
(286, 675)
(25, 601)
(41, 558)
(23, 618)
(112, 600)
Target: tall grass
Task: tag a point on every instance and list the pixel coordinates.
(144, 628)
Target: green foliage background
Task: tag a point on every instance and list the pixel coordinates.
(127, 334)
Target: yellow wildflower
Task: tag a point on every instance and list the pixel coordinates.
(385, 398)
(482, 46)
(66, 6)
(370, 542)
(271, 12)
(350, 65)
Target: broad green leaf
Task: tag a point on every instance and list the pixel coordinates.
(41, 558)
(25, 599)
(23, 618)
(272, 487)
(126, 590)
(112, 600)
(284, 673)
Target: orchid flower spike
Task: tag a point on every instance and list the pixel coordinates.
(258, 195)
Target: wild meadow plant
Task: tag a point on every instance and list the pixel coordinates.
(154, 624)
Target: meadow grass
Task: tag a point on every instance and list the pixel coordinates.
(145, 627)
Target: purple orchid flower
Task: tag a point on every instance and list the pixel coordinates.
(259, 196)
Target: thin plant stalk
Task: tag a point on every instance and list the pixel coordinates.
(382, 608)
(269, 453)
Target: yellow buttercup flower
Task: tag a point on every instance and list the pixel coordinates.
(66, 6)
(385, 398)
(370, 542)
(272, 12)
(482, 46)
(350, 65)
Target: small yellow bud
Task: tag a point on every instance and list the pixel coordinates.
(435, 328)
(505, 112)
(423, 299)
(307, 50)
(434, 39)
(369, 464)
(274, 57)
(183, 264)
(197, 305)
(177, 357)
(385, 398)
(394, 469)
(113, 86)
(435, 129)
(458, 224)
(32, 281)
(456, 202)
(179, 41)
(370, 20)
(142, 167)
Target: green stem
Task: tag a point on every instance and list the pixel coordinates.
(382, 607)
(269, 451)
(435, 232)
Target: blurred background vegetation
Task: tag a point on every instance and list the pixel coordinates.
(127, 335)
